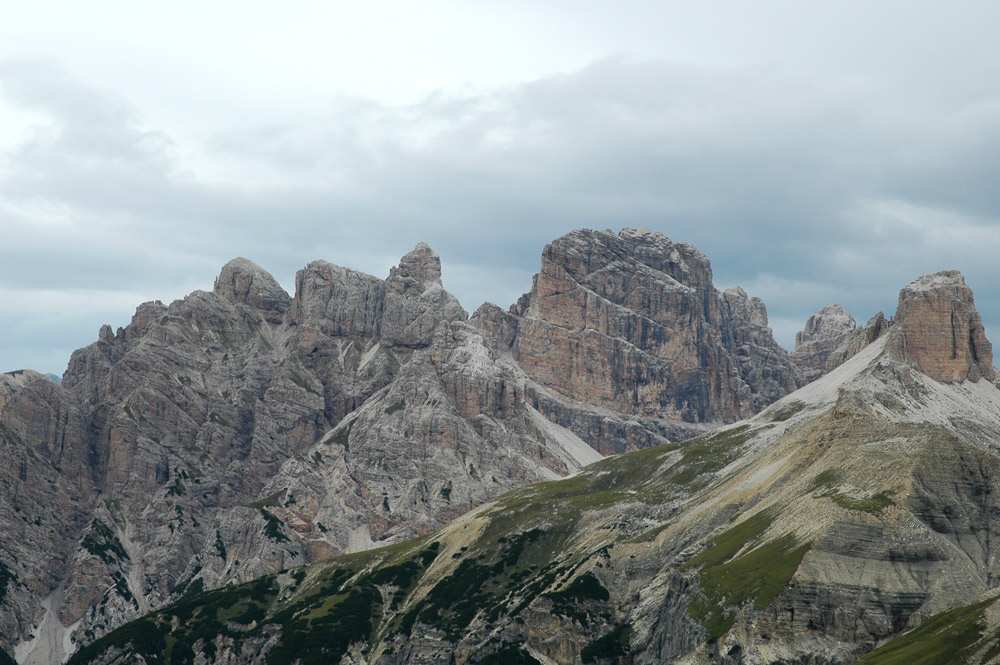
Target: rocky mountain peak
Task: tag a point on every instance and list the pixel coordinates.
(939, 330)
(829, 322)
(823, 333)
(750, 311)
(632, 322)
(243, 281)
(417, 271)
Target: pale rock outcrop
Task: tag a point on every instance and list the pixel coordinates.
(824, 332)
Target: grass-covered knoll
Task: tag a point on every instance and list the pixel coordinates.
(756, 577)
(651, 476)
(828, 482)
(949, 638)
(343, 435)
(709, 453)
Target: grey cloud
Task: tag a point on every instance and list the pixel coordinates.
(807, 191)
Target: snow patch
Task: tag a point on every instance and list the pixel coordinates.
(573, 450)
(53, 642)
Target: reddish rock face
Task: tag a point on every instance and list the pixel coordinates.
(940, 331)
(632, 323)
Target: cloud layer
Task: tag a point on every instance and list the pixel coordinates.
(806, 189)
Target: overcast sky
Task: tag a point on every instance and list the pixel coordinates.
(817, 152)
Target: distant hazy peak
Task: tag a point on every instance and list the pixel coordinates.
(831, 321)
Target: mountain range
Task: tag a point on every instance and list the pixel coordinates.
(755, 506)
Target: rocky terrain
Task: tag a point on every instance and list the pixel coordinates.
(819, 531)
(240, 431)
(825, 332)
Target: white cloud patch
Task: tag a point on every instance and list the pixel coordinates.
(805, 190)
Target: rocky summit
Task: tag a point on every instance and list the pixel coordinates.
(850, 521)
(823, 334)
(241, 431)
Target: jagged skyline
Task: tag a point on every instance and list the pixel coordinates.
(816, 155)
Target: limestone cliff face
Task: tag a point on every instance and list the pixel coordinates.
(240, 431)
(187, 413)
(632, 323)
(939, 330)
(46, 493)
(824, 332)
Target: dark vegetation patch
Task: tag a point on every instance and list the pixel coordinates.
(948, 638)
(301, 382)
(269, 501)
(323, 625)
(218, 420)
(871, 504)
(220, 547)
(272, 527)
(479, 584)
(198, 620)
(578, 598)
(103, 543)
(612, 645)
(511, 654)
(828, 481)
(11, 436)
(6, 577)
(757, 576)
(786, 412)
(398, 406)
(316, 626)
(707, 454)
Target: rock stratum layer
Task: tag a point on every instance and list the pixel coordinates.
(853, 519)
(237, 432)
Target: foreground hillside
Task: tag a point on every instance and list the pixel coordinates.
(243, 430)
(841, 517)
